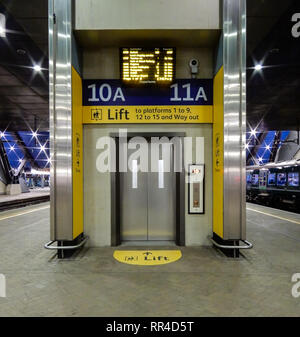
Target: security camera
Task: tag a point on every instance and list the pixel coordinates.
(194, 65)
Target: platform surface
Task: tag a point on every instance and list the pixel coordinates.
(33, 193)
(202, 283)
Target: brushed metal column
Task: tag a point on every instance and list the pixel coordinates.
(60, 30)
(234, 60)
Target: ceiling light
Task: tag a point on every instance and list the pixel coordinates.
(37, 68)
(258, 67)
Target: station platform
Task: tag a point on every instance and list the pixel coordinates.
(202, 283)
(34, 196)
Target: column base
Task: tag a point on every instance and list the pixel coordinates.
(235, 253)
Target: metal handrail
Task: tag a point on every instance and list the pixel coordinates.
(248, 245)
(48, 244)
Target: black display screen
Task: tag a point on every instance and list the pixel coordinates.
(147, 65)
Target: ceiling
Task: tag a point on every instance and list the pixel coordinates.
(272, 96)
(273, 100)
(23, 92)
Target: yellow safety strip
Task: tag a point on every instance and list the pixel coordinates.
(23, 213)
(274, 216)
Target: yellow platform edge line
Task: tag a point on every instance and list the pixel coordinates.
(274, 216)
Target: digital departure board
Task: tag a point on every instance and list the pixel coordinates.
(147, 65)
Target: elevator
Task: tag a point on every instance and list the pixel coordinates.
(148, 194)
(148, 197)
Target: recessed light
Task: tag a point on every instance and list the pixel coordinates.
(37, 68)
(258, 67)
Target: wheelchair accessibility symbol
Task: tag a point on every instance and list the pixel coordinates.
(96, 114)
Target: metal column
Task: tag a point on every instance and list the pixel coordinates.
(234, 60)
(60, 102)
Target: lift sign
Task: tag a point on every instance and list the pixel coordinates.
(185, 101)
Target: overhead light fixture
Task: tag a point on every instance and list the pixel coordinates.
(37, 68)
(2, 25)
(258, 67)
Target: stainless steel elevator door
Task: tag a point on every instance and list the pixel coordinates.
(147, 202)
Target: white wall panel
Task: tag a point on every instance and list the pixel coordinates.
(145, 14)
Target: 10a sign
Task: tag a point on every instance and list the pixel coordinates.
(113, 92)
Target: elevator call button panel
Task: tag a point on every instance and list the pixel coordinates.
(196, 190)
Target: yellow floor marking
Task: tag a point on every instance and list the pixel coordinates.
(275, 216)
(22, 213)
(147, 257)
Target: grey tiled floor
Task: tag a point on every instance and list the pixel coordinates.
(202, 283)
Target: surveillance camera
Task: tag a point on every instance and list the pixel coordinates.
(194, 65)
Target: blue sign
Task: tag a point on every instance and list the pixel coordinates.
(114, 92)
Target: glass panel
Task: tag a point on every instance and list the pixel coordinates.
(272, 179)
(281, 179)
(293, 179)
